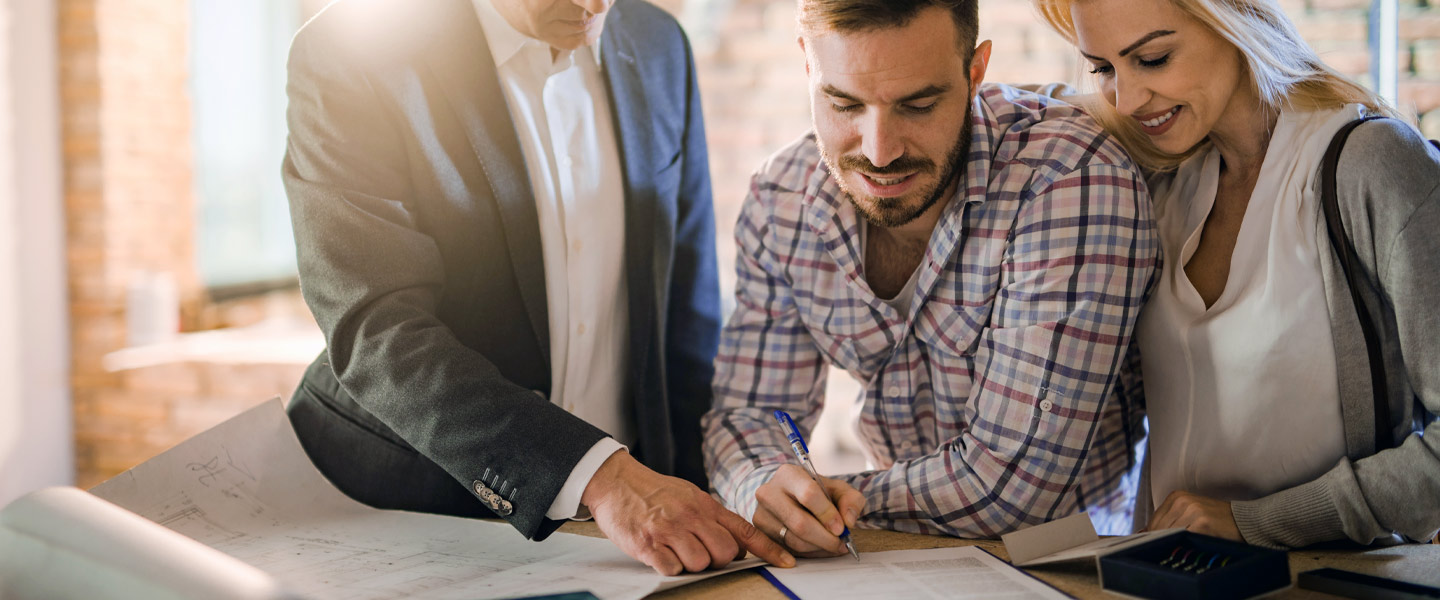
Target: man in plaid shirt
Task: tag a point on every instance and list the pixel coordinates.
(975, 254)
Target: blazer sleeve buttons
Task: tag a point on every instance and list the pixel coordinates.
(492, 500)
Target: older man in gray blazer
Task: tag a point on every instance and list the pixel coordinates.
(506, 235)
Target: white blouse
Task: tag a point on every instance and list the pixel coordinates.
(1242, 397)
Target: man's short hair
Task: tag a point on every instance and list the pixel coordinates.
(848, 16)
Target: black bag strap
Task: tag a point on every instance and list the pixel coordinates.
(1350, 263)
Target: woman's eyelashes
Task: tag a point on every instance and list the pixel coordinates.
(1106, 70)
(1152, 63)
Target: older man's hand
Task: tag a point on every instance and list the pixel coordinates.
(668, 523)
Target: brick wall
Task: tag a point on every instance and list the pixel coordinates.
(1420, 62)
(129, 208)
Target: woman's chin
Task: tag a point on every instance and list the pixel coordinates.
(1175, 145)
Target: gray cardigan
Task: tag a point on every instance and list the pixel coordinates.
(1388, 186)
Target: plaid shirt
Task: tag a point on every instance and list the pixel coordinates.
(985, 408)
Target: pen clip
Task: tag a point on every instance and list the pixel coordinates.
(792, 432)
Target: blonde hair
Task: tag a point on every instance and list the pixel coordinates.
(1284, 70)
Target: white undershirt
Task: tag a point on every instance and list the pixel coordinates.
(561, 113)
(1243, 397)
(906, 296)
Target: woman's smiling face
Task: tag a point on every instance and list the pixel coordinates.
(1162, 67)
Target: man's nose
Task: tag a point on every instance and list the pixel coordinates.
(595, 7)
(880, 142)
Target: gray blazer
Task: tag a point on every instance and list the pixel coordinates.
(419, 252)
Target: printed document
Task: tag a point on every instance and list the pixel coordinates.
(247, 488)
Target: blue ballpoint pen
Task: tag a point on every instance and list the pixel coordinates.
(802, 452)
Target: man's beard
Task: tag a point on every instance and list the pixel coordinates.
(891, 212)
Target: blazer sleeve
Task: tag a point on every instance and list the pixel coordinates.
(373, 277)
(692, 333)
(1388, 185)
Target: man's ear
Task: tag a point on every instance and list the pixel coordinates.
(978, 63)
(801, 40)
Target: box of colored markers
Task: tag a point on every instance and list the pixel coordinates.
(1163, 564)
(1190, 566)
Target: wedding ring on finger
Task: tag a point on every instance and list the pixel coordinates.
(784, 529)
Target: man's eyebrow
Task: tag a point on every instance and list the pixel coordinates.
(833, 91)
(928, 91)
(1149, 36)
(931, 90)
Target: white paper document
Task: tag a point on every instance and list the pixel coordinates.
(248, 489)
(1067, 539)
(966, 573)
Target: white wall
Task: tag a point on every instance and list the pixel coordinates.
(35, 416)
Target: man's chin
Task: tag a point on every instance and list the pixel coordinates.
(576, 40)
(888, 212)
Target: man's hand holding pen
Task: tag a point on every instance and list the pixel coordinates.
(807, 516)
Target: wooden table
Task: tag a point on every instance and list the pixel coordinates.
(1417, 563)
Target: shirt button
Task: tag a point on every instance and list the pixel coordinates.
(1046, 405)
(581, 329)
(893, 391)
(576, 246)
(565, 160)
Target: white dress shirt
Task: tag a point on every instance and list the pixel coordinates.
(561, 112)
(1243, 396)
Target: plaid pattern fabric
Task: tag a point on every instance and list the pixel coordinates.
(985, 408)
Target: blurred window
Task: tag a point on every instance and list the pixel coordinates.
(1385, 49)
(237, 85)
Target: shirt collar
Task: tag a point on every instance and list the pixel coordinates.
(504, 40)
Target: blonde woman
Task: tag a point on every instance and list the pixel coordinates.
(1255, 375)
